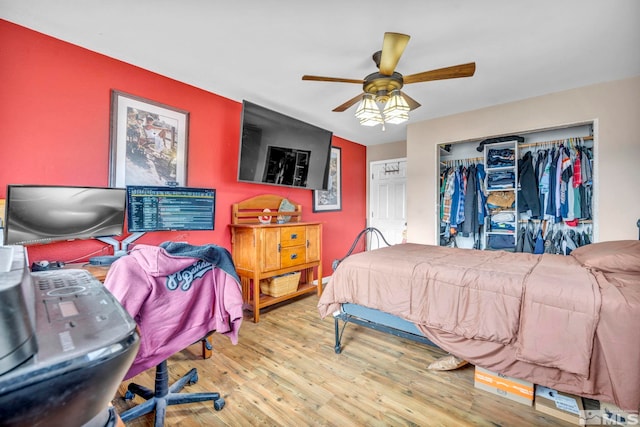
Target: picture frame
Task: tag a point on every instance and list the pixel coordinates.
(148, 142)
(330, 200)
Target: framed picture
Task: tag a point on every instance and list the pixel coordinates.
(148, 142)
(331, 199)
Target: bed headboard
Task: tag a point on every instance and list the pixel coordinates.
(248, 211)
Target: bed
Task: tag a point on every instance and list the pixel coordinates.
(565, 322)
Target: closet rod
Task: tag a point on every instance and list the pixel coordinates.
(471, 159)
(536, 220)
(557, 141)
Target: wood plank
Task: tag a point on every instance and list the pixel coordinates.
(284, 372)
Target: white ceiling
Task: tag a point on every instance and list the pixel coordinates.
(259, 49)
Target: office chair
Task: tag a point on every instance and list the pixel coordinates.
(191, 292)
(165, 395)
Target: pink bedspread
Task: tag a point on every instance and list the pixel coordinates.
(543, 318)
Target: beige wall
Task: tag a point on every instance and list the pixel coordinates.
(613, 107)
(393, 150)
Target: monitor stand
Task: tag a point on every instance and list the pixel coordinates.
(120, 248)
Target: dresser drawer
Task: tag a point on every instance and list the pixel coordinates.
(293, 236)
(293, 255)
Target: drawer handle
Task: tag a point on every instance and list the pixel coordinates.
(279, 247)
(294, 256)
(294, 236)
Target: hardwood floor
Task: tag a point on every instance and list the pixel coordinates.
(284, 372)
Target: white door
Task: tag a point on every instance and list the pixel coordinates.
(387, 200)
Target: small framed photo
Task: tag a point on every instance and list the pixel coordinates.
(148, 142)
(331, 199)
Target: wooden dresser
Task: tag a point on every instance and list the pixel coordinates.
(261, 251)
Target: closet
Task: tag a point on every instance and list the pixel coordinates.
(527, 192)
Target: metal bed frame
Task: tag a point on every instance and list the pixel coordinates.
(350, 318)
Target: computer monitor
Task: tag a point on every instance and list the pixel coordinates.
(153, 208)
(49, 213)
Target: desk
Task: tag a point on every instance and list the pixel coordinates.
(97, 271)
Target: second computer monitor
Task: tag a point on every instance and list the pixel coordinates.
(153, 208)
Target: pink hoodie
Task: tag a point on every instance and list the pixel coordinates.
(174, 300)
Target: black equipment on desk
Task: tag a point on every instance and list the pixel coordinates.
(46, 265)
(65, 345)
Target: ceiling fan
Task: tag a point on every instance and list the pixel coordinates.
(382, 85)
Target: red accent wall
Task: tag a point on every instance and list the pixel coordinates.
(54, 121)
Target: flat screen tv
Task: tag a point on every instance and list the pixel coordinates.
(277, 149)
(49, 213)
(170, 208)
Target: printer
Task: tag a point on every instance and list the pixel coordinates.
(65, 345)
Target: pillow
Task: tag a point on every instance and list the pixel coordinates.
(620, 256)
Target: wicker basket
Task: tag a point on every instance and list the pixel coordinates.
(277, 286)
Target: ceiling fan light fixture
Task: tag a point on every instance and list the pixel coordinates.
(373, 121)
(368, 109)
(396, 107)
(396, 120)
(396, 110)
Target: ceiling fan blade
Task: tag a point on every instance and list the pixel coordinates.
(392, 47)
(348, 104)
(453, 72)
(413, 104)
(331, 79)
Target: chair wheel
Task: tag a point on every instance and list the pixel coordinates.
(194, 379)
(129, 395)
(218, 404)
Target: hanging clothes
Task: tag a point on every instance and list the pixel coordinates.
(461, 182)
(564, 181)
(563, 172)
(482, 194)
(550, 213)
(566, 176)
(528, 195)
(558, 186)
(587, 183)
(470, 225)
(455, 199)
(462, 200)
(542, 173)
(449, 186)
